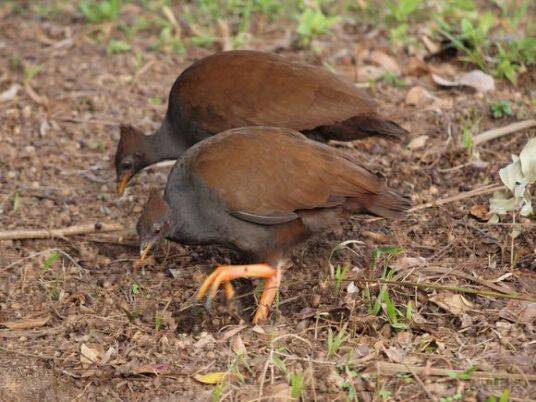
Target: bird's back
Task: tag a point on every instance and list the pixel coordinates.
(249, 88)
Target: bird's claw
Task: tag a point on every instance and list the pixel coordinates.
(223, 275)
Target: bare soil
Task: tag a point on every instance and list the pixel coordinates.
(146, 339)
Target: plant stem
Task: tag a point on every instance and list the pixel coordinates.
(512, 240)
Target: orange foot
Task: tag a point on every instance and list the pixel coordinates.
(226, 273)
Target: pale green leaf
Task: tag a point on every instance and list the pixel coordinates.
(494, 219)
(526, 209)
(527, 159)
(516, 230)
(511, 175)
(499, 204)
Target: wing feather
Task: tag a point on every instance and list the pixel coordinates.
(245, 88)
(266, 174)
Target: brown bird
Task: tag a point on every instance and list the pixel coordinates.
(248, 88)
(261, 191)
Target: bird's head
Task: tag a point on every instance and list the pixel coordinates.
(154, 223)
(129, 157)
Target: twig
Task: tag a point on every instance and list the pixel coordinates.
(499, 132)
(87, 121)
(312, 379)
(50, 250)
(26, 354)
(446, 271)
(461, 196)
(514, 296)
(419, 381)
(491, 188)
(61, 232)
(263, 375)
(30, 333)
(121, 239)
(394, 368)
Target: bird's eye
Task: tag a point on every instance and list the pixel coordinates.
(126, 165)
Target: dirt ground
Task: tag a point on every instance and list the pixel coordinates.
(96, 326)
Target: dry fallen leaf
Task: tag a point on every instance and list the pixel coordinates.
(418, 142)
(418, 96)
(523, 312)
(334, 378)
(108, 355)
(418, 318)
(10, 93)
(368, 73)
(396, 355)
(149, 369)
(454, 303)
(26, 324)
(430, 45)
(258, 330)
(385, 61)
(134, 368)
(176, 273)
(416, 67)
(237, 344)
(88, 355)
(231, 332)
(277, 392)
(408, 262)
(204, 340)
(478, 80)
(466, 321)
(352, 288)
(211, 378)
(475, 79)
(479, 211)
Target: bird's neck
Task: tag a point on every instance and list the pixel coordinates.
(164, 143)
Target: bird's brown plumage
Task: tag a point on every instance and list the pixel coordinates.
(266, 174)
(247, 88)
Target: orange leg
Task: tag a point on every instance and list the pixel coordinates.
(271, 286)
(226, 273)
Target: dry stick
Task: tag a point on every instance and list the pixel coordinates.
(499, 132)
(461, 196)
(103, 122)
(514, 296)
(446, 271)
(394, 368)
(419, 381)
(490, 188)
(62, 232)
